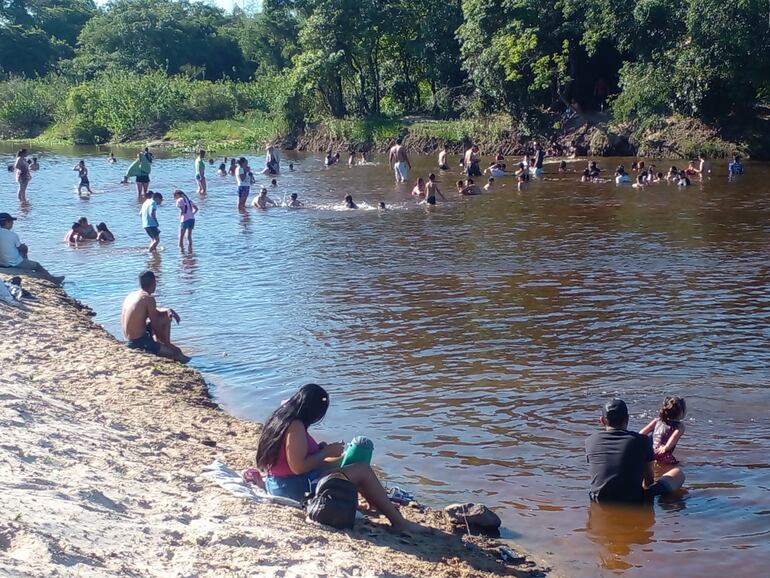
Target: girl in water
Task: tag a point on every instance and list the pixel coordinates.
(233, 167)
(23, 176)
(667, 429)
(294, 461)
(187, 212)
(349, 204)
(104, 235)
(243, 179)
(83, 174)
(419, 188)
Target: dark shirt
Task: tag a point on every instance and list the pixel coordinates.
(618, 461)
(539, 156)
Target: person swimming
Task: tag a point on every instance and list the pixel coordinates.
(349, 204)
(490, 184)
(262, 200)
(295, 203)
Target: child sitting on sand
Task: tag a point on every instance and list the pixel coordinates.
(667, 429)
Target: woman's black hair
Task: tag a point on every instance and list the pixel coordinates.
(308, 405)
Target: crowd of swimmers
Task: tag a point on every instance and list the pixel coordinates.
(622, 462)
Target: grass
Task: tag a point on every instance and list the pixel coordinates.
(250, 130)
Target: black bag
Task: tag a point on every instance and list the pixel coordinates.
(335, 502)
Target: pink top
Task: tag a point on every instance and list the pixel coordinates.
(281, 467)
(186, 212)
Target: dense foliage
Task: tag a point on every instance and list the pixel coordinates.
(132, 66)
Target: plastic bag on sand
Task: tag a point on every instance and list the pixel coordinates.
(230, 480)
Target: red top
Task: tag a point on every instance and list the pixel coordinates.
(280, 468)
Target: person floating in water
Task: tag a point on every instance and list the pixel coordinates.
(145, 325)
(399, 161)
(200, 172)
(294, 202)
(222, 170)
(187, 212)
(294, 461)
(111, 159)
(83, 174)
(621, 462)
(261, 201)
(349, 202)
(149, 216)
(431, 190)
(490, 184)
(667, 429)
(34, 165)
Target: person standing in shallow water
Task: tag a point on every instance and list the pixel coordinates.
(23, 175)
(141, 169)
(200, 172)
(399, 160)
(243, 179)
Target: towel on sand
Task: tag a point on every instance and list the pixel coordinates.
(231, 481)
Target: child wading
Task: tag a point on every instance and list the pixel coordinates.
(187, 212)
(150, 219)
(667, 429)
(83, 174)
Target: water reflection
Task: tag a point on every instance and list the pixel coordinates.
(617, 530)
(475, 343)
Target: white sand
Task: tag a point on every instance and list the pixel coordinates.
(100, 454)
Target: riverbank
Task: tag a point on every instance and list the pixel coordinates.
(592, 135)
(100, 473)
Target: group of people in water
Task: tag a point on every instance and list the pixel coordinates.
(622, 462)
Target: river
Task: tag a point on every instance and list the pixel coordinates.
(474, 342)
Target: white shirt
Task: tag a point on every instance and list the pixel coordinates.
(9, 248)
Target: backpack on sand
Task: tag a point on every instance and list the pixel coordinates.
(335, 502)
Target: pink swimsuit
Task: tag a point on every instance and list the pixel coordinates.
(660, 436)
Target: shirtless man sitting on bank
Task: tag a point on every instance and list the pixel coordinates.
(146, 326)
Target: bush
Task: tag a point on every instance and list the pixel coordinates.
(209, 101)
(29, 106)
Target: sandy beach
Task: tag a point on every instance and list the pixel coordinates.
(100, 461)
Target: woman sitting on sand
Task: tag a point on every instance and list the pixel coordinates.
(294, 461)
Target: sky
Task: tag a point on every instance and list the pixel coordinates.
(226, 4)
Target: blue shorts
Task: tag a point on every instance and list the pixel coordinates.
(188, 224)
(153, 232)
(243, 191)
(293, 487)
(145, 343)
(143, 179)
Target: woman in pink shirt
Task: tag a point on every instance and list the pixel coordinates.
(294, 461)
(187, 211)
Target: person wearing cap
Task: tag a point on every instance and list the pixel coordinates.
(13, 253)
(621, 461)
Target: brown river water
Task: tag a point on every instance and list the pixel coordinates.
(474, 342)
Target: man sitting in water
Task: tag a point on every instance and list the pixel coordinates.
(621, 461)
(261, 201)
(146, 326)
(13, 253)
